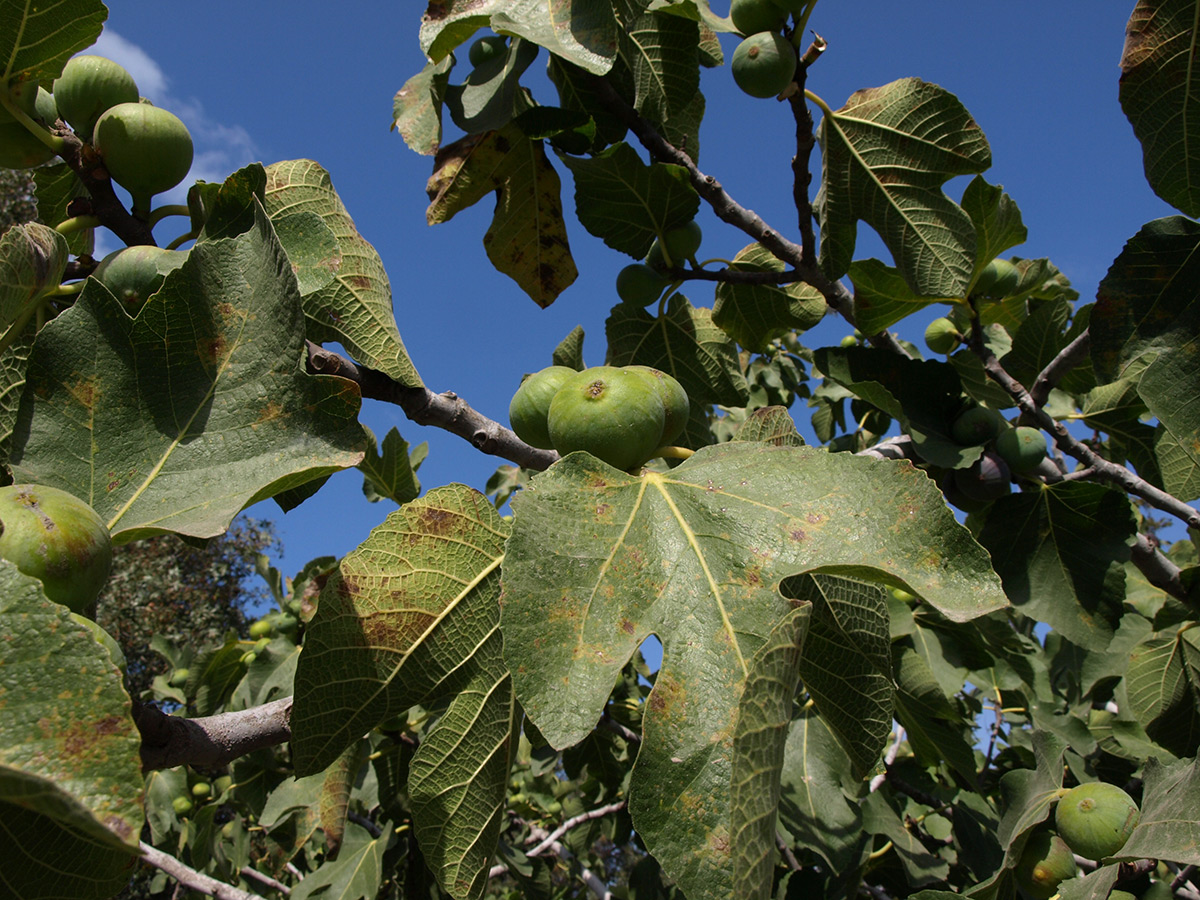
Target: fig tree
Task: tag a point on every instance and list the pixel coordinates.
(942, 336)
(134, 273)
(486, 49)
(530, 407)
(764, 64)
(1096, 819)
(752, 16)
(613, 413)
(674, 400)
(88, 86)
(1023, 448)
(977, 426)
(55, 537)
(999, 278)
(145, 149)
(1045, 862)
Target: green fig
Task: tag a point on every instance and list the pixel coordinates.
(145, 149)
(1023, 448)
(764, 64)
(1045, 863)
(88, 87)
(530, 407)
(613, 413)
(1096, 819)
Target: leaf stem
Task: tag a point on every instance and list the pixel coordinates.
(77, 223)
(673, 453)
(171, 209)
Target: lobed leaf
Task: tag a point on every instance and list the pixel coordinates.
(37, 39)
(754, 314)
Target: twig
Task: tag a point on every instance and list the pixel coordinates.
(788, 856)
(598, 813)
(251, 872)
(424, 407)
(888, 759)
(190, 878)
(211, 740)
(805, 141)
(359, 819)
(586, 875)
(102, 200)
(899, 447)
(1069, 444)
(875, 891)
(1068, 358)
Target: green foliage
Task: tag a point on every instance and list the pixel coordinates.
(859, 693)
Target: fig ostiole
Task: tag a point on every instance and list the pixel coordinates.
(615, 414)
(55, 537)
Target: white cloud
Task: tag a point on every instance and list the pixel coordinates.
(220, 148)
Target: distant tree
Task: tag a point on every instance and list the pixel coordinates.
(189, 594)
(17, 204)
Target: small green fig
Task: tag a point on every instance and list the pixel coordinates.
(201, 789)
(182, 805)
(678, 245)
(1096, 819)
(134, 273)
(145, 149)
(752, 16)
(485, 49)
(89, 86)
(55, 537)
(613, 413)
(1023, 448)
(640, 285)
(977, 426)
(179, 677)
(1045, 863)
(261, 628)
(530, 407)
(942, 336)
(999, 278)
(676, 406)
(764, 64)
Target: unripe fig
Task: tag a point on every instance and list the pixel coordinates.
(486, 49)
(998, 279)
(182, 805)
(674, 400)
(1022, 448)
(201, 789)
(848, 341)
(530, 407)
(764, 64)
(752, 16)
(261, 628)
(222, 784)
(55, 537)
(679, 244)
(134, 273)
(977, 426)
(1096, 819)
(89, 86)
(145, 149)
(179, 677)
(987, 480)
(639, 284)
(942, 336)
(614, 414)
(1045, 863)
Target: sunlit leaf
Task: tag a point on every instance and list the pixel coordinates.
(37, 39)
(1163, 682)
(356, 874)
(417, 107)
(390, 470)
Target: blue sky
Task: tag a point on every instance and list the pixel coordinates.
(268, 81)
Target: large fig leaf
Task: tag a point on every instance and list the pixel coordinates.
(1146, 326)
(70, 775)
(753, 314)
(527, 239)
(353, 308)
(599, 560)
(1163, 683)
(37, 39)
(1168, 827)
(885, 156)
(627, 203)
(411, 617)
(1159, 82)
(178, 419)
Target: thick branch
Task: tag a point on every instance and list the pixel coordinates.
(1159, 571)
(1103, 470)
(1068, 358)
(190, 878)
(423, 406)
(102, 200)
(212, 740)
(598, 813)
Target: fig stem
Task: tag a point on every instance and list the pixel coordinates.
(53, 141)
(670, 452)
(182, 239)
(817, 100)
(171, 209)
(77, 223)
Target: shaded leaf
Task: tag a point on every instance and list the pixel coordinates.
(390, 470)
(626, 203)
(492, 93)
(569, 351)
(356, 874)
(754, 314)
(1163, 684)
(355, 308)
(36, 40)
(599, 559)
(70, 774)
(882, 297)
(885, 156)
(920, 866)
(1060, 552)
(997, 220)
(411, 618)
(1158, 81)
(934, 726)
(240, 422)
(1168, 828)
(311, 247)
(684, 343)
(57, 185)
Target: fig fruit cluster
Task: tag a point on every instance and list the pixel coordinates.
(1010, 451)
(640, 284)
(145, 149)
(620, 414)
(764, 63)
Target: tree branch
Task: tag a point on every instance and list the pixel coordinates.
(598, 813)
(423, 406)
(1160, 571)
(190, 878)
(1068, 358)
(212, 740)
(102, 200)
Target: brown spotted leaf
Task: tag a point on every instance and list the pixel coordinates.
(180, 418)
(411, 617)
(70, 775)
(600, 559)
